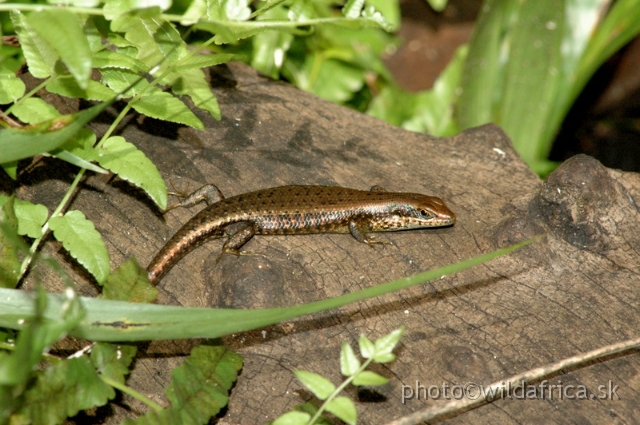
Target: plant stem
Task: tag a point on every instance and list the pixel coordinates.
(339, 390)
(133, 393)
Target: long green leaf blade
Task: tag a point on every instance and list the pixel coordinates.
(120, 321)
(17, 144)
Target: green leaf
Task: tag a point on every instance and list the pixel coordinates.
(131, 164)
(22, 143)
(367, 348)
(344, 409)
(200, 385)
(40, 56)
(293, 418)
(320, 386)
(270, 49)
(31, 218)
(66, 86)
(164, 106)
(34, 110)
(94, 37)
(11, 87)
(352, 9)
(334, 89)
(113, 360)
(109, 59)
(202, 61)
(115, 8)
(129, 282)
(77, 161)
(81, 145)
(387, 343)
(193, 83)
(61, 28)
(389, 9)
(81, 239)
(349, 363)
(438, 5)
(37, 335)
(107, 320)
(64, 389)
(123, 81)
(195, 11)
(9, 244)
(367, 377)
(11, 168)
(157, 40)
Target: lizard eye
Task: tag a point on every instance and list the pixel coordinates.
(425, 213)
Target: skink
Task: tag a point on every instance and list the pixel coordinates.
(295, 210)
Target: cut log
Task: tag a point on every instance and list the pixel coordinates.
(575, 291)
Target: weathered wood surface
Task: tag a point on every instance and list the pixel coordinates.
(573, 292)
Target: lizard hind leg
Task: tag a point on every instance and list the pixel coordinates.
(208, 193)
(239, 234)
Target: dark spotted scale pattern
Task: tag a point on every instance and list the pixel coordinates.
(291, 210)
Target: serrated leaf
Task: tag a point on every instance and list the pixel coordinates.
(94, 37)
(389, 9)
(113, 360)
(157, 40)
(385, 344)
(193, 83)
(237, 10)
(66, 86)
(384, 358)
(9, 262)
(334, 89)
(131, 164)
(11, 87)
(81, 239)
(22, 143)
(124, 81)
(109, 59)
(34, 110)
(40, 56)
(320, 386)
(64, 389)
(62, 30)
(367, 377)
(129, 282)
(349, 363)
(200, 385)
(344, 409)
(30, 217)
(164, 106)
(367, 348)
(378, 18)
(352, 9)
(293, 418)
(202, 61)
